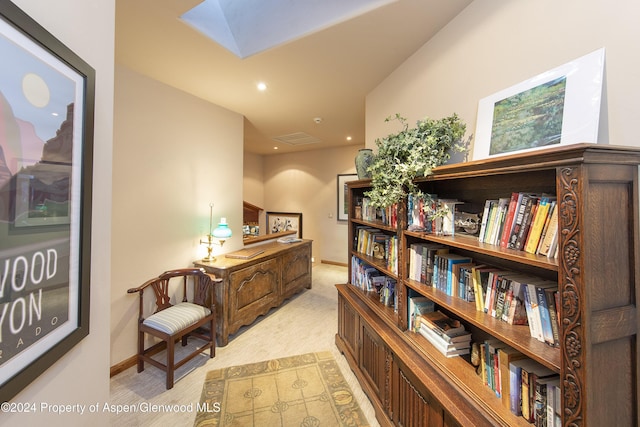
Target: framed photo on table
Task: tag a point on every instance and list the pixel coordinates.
(343, 197)
(284, 221)
(558, 107)
(46, 141)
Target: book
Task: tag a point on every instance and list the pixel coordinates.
(524, 202)
(508, 222)
(491, 221)
(543, 308)
(533, 309)
(531, 245)
(525, 227)
(554, 398)
(447, 349)
(485, 219)
(480, 276)
(547, 246)
(517, 313)
(551, 294)
(547, 222)
(502, 288)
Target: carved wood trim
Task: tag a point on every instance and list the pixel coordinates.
(572, 289)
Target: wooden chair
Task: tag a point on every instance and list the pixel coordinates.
(171, 323)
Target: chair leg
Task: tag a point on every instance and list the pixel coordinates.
(140, 351)
(170, 362)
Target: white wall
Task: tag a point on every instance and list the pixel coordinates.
(173, 155)
(306, 182)
(493, 45)
(82, 375)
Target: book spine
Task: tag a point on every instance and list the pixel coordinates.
(545, 318)
(553, 316)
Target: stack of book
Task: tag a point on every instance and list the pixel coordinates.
(447, 335)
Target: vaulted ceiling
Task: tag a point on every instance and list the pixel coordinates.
(317, 72)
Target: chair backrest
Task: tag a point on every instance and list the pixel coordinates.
(203, 293)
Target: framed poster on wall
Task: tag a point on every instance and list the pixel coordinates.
(46, 142)
(284, 221)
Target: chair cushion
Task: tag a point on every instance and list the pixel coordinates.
(177, 317)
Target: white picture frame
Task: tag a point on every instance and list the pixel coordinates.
(558, 107)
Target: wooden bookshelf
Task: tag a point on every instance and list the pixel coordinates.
(598, 276)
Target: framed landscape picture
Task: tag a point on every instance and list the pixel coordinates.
(46, 152)
(558, 107)
(343, 207)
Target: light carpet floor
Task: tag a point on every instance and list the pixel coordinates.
(306, 323)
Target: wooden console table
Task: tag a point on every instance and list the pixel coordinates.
(251, 287)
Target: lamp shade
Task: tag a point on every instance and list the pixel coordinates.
(222, 231)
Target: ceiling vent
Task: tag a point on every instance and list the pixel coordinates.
(298, 138)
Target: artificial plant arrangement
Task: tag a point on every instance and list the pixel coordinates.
(412, 153)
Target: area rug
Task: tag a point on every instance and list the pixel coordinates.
(306, 390)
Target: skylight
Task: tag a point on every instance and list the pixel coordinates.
(246, 27)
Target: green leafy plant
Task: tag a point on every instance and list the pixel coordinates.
(412, 153)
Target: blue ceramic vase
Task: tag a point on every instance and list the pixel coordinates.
(364, 158)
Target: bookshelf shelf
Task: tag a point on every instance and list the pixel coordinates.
(597, 202)
(517, 336)
(463, 375)
(470, 243)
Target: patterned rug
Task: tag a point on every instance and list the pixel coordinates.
(306, 390)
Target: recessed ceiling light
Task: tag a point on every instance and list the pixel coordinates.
(275, 148)
(348, 138)
(262, 86)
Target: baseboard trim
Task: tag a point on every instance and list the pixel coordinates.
(123, 366)
(132, 361)
(341, 264)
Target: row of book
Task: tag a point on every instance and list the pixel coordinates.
(524, 221)
(526, 387)
(433, 265)
(519, 299)
(375, 243)
(369, 279)
(366, 211)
